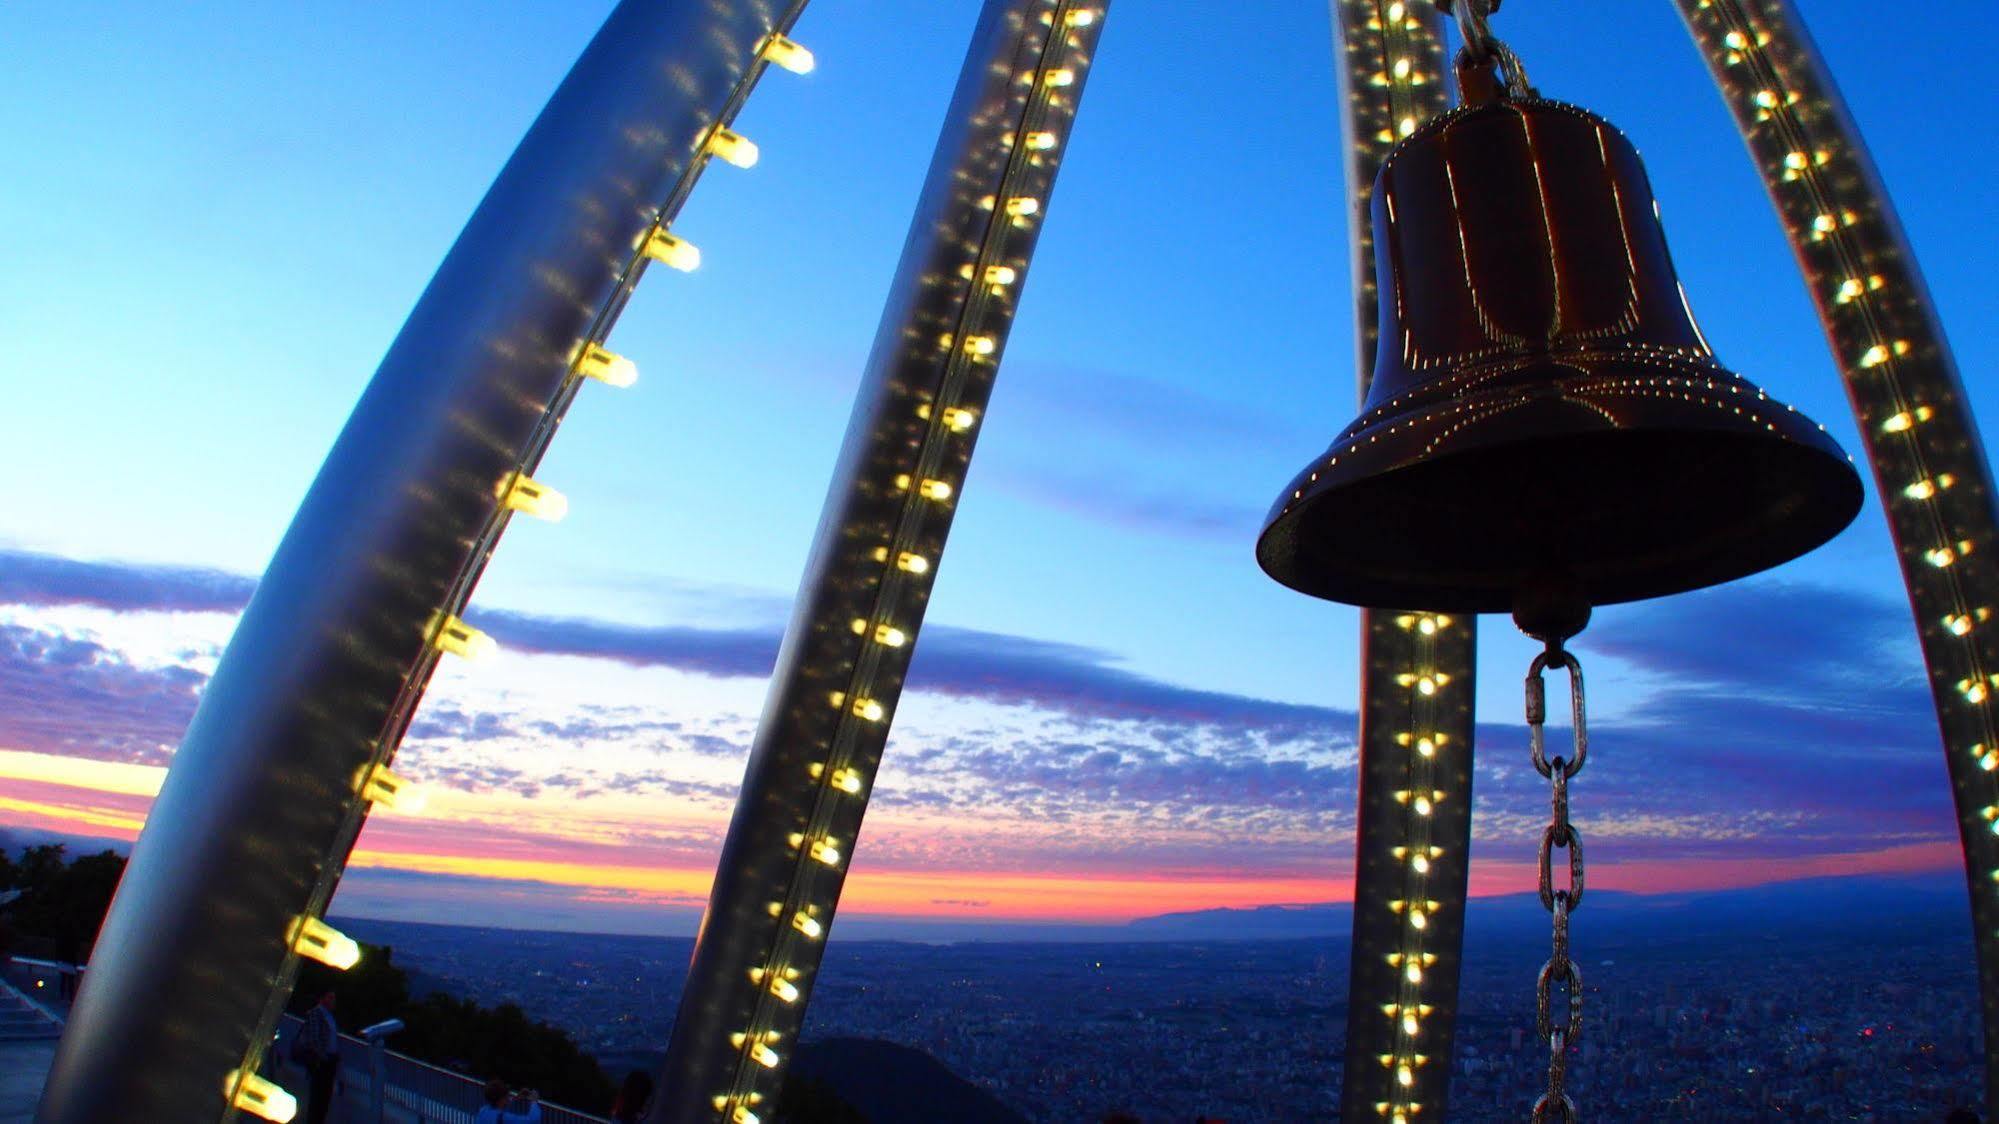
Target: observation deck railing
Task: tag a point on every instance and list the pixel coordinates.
(413, 1092)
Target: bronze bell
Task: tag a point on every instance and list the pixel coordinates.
(1543, 405)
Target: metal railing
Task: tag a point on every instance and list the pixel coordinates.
(412, 1091)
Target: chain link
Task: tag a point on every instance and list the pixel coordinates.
(1555, 1104)
(1483, 48)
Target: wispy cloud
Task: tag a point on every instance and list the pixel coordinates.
(1783, 721)
(70, 695)
(28, 578)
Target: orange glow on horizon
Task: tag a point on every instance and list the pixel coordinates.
(506, 836)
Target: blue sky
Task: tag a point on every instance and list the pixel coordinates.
(220, 217)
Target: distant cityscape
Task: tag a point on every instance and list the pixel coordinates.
(1750, 1019)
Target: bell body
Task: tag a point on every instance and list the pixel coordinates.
(1543, 403)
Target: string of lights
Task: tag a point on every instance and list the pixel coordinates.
(518, 493)
(833, 696)
(1907, 397)
(1415, 723)
(292, 744)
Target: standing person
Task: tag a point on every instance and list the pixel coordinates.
(633, 1097)
(317, 1048)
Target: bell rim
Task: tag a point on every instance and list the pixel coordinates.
(1775, 433)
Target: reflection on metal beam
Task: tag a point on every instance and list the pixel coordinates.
(1929, 468)
(840, 672)
(247, 839)
(1416, 679)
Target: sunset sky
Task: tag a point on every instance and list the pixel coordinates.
(218, 220)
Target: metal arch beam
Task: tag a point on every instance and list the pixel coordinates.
(1414, 832)
(269, 788)
(1908, 400)
(833, 693)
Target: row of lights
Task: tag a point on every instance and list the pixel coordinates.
(1399, 58)
(1856, 292)
(1417, 854)
(817, 848)
(448, 634)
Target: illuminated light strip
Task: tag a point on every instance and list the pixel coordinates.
(1415, 696)
(593, 361)
(843, 768)
(1907, 395)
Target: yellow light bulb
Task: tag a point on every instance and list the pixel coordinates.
(385, 789)
(802, 922)
(607, 367)
(787, 55)
(784, 989)
(1426, 747)
(259, 1097)
(1060, 77)
(731, 147)
(316, 940)
(521, 493)
(1000, 276)
(764, 1055)
(825, 852)
(1421, 864)
(913, 563)
(1423, 805)
(1413, 972)
(1041, 142)
(1404, 1077)
(868, 709)
(457, 638)
(847, 780)
(674, 251)
(1410, 1026)
(958, 420)
(1081, 17)
(745, 1116)
(890, 637)
(935, 490)
(1023, 206)
(980, 345)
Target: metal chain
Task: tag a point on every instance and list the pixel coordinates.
(1560, 903)
(1482, 47)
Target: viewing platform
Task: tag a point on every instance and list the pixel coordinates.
(32, 1006)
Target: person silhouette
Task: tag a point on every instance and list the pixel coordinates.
(317, 1050)
(633, 1097)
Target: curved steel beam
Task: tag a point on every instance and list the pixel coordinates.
(840, 671)
(1414, 832)
(1907, 397)
(290, 743)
